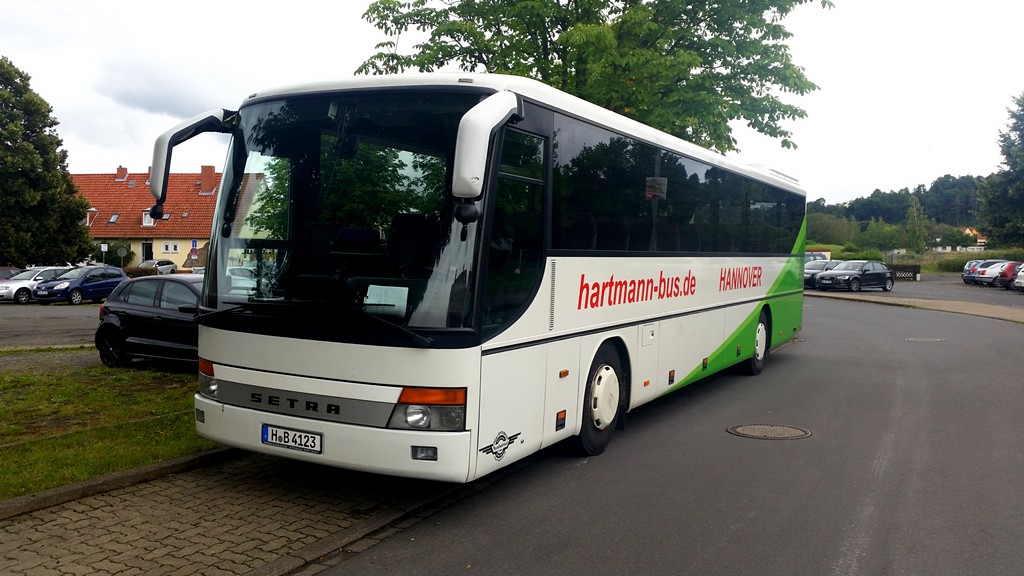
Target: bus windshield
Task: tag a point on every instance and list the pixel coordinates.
(341, 201)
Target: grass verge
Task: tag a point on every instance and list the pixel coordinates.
(64, 421)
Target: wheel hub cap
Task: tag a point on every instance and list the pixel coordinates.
(604, 397)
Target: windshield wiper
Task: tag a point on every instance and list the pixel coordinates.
(203, 316)
(421, 340)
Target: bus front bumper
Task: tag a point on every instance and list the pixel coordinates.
(367, 449)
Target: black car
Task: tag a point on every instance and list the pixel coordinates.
(853, 275)
(150, 317)
(815, 267)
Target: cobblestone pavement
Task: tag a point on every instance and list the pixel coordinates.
(249, 515)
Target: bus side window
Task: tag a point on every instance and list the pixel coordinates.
(516, 239)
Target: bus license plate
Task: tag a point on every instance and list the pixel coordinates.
(311, 442)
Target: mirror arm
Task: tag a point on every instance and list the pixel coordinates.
(221, 121)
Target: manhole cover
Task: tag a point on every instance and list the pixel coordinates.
(769, 432)
(926, 339)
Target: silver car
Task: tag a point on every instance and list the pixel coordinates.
(19, 287)
(162, 266)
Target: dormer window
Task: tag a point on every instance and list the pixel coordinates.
(147, 220)
(113, 218)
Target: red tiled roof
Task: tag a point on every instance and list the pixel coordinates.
(191, 212)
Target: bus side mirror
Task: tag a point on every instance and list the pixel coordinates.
(212, 121)
(476, 128)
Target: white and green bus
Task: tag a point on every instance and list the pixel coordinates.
(436, 275)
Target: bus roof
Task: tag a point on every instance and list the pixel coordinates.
(543, 94)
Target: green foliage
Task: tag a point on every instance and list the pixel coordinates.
(135, 271)
(110, 256)
(685, 68)
(915, 227)
(830, 229)
(954, 237)
(41, 214)
(1002, 194)
(952, 264)
(853, 253)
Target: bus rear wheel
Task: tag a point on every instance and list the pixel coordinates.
(602, 401)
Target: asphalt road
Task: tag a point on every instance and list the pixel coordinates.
(29, 325)
(914, 466)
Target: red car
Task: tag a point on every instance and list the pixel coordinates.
(1007, 275)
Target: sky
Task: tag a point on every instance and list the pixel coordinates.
(910, 90)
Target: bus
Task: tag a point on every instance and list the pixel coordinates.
(436, 275)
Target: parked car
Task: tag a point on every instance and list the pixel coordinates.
(812, 256)
(1007, 274)
(853, 275)
(8, 271)
(1019, 281)
(981, 274)
(19, 287)
(814, 267)
(969, 271)
(77, 284)
(150, 317)
(162, 266)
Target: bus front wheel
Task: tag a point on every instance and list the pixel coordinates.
(602, 401)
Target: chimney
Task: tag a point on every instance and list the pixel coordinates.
(122, 174)
(206, 180)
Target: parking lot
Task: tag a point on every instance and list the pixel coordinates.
(31, 325)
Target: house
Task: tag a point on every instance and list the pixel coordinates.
(120, 211)
(978, 238)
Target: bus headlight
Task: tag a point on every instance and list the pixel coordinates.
(434, 409)
(208, 384)
(417, 416)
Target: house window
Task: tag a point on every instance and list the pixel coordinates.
(147, 220)
(113, 218)
(170, 247)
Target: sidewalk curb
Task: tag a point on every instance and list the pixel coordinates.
(64, 494)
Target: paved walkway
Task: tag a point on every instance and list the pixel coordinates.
(245, 513)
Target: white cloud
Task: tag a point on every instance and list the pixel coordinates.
(910, 91)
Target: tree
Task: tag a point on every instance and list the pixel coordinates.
(1001, 195)
(879, 235)
(952, 200)
(915, 227)
(687, 68)
(110, 256)
(829, 229)
(42, 217)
